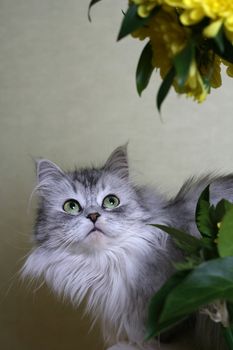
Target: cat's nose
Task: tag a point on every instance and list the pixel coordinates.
(93, 216)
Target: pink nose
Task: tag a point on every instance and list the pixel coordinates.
(93, 216)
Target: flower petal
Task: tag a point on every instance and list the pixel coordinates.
(212, 29)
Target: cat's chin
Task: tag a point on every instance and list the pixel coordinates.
(95, 236)
(96, 240)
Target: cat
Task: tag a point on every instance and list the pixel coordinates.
(94, 241)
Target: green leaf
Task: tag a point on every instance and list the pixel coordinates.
(207, 243)
(228, 335)
(225, 235)
(210, 281)
(221, 209)
(188, 264)
(203, 218)
(93, 2)
(166, 326)
(227, 54)
(230, 311)
(165, 87)
(186, 242)
(219, 39)
(182, 62)
(205, 195)
(156, 303)
(144, 68)
(206, 82)
(131, 22)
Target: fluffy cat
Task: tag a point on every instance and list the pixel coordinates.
(93, 240)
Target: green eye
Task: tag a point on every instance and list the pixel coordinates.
(72, 207)
(111, 201)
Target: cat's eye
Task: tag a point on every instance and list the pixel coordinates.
(110, 202)
(71, 206)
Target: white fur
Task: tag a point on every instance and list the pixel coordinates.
(122, 346)
(106, 277)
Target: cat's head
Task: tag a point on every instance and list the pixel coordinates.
(88, 209)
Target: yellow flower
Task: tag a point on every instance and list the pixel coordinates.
(220, 13)
(146, 6)
(216, 79)
(167, 37)
(229, 68)
(211, 69)
(194, 86)
(169, 31)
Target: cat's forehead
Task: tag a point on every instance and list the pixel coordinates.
(95, 180)
(88, 177)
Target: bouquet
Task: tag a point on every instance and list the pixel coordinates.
(188, 41)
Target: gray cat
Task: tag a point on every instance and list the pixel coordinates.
(94, 241)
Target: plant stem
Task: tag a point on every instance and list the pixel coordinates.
(228, 337)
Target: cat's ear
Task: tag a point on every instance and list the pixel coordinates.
(118, 162)
(47, 170)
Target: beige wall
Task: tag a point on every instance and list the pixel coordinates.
(67, 93)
